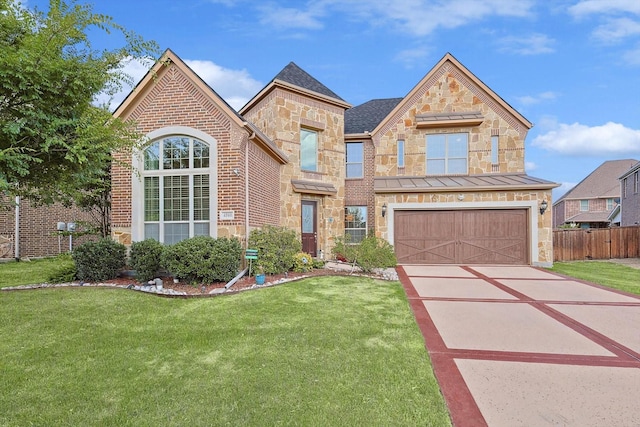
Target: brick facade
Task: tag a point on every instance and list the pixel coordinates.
(37, 229)
(630, 201)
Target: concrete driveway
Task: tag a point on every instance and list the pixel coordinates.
(519, 346)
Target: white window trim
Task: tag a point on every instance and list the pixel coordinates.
(137, 185)
(361, 144)
(317, 163)
(366, 220)
(446, 157)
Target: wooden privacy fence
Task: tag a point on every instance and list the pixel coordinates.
(596, 243)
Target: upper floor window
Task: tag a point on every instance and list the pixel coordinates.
(355, 157)
(636, 184)
(355, 223)
(308, 150)
(447, 153)
(400, 148)
(610, 204)
(584, 205)
(494, 150)
(176, 189)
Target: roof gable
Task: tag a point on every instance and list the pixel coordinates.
(137, 95)
(449, 64)
(298, 77)
(602, 182)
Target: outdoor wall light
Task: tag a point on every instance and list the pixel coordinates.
(384, 210)
(543, 207)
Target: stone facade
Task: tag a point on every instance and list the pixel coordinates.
(281, 114)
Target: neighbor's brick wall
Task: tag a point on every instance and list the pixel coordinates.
(449, 90)
(559, 213)
(174, 100)
(38, 235)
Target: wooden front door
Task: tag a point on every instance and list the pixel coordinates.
(309, 227)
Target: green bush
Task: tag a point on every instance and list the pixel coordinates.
(101, 260)
(144, 258)
(203, 259)
(318, 263)
(302, 262)
(277, 247)
(64, 271)
(372, 252)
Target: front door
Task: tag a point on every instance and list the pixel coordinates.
(309, 227)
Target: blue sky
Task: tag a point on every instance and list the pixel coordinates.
(572, 67)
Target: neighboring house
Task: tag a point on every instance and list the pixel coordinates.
(592, 203)
(630, 200)
(439, 173)
(36, 229)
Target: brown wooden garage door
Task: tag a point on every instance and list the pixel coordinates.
(462, 237)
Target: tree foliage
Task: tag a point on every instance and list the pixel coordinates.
(54, 142)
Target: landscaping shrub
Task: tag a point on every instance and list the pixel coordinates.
(302, 262)
(372, 252)
(277, 247)
(99, 260)
(203, 259)
(64, 271)
(144, 258)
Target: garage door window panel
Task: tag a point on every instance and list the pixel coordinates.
(447, 154)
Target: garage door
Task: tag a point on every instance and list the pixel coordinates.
(462, 237)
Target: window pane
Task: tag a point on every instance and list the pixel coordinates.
(436, 146)
(152, 157)
(457, 166)
(151, 198)
(494, 150)
(175, 232)
(457, 145)
(308, 150)
(355, 223)
(176, 198)
(201, 229)
(152, 231)
(176, 153)
(200, 197)
(307, 218)
(435, 167)
(354, 159)
(400, 154)
(200, 154)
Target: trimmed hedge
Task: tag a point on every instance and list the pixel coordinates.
(203, 259)
(372, 252)
(144, 258)
(277, 247)
(101, 260)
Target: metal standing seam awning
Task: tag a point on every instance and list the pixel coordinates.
(488, 182)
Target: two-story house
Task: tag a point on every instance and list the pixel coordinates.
(592, 201)
(439, 173)
(630, 197)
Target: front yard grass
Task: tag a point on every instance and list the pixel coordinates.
(322, 351)
(602, 273)
(14, 273)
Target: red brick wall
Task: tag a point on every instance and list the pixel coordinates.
(38, 235)
(359, 192)
(264, 192)
(174, 100)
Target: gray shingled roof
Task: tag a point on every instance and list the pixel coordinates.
(297, 76)
(602, 182)
(365, 117)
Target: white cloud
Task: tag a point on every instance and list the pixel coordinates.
(538, 98)
(581, 140)
(534, 44)
(632, 57)
(236, 87)
(588, 7)
(563, 189)
(288, 17)
(616, 30)
(530, 166)
(411, 56)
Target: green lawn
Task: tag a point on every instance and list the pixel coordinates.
(603, 273)
(26, 272)
(318, 352)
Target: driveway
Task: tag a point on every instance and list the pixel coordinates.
(520, 346)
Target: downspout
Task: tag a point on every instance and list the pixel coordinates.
(16, 245)
(246, 192)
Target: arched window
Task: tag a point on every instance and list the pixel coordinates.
(176, 180)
